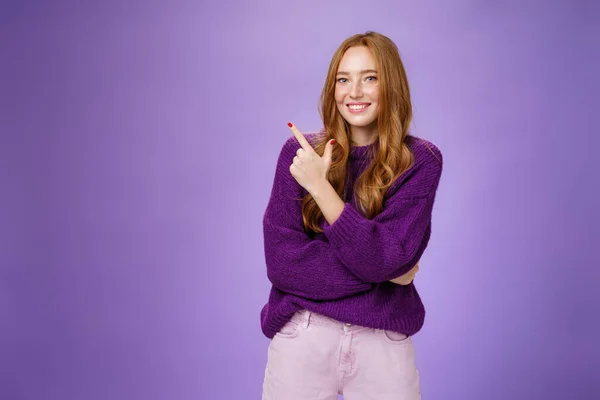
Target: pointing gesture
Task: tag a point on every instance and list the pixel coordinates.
(308, 168)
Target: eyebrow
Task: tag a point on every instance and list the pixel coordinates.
(364, 71)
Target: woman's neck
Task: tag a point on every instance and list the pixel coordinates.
(363, 136)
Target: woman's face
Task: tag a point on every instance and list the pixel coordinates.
(357, 90)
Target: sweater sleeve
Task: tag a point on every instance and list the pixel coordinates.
(390, 244)
(297, 264)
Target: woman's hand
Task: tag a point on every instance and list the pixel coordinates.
(308, 168)
(407, 278)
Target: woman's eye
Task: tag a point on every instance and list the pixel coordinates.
(341, 79)
(373, 78)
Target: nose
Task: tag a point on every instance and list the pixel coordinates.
(356, 90)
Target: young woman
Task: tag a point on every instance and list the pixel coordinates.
(348, 219)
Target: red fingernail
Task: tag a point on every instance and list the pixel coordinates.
(332, 141)
(290, 124)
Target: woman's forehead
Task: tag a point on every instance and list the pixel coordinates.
(357, 60)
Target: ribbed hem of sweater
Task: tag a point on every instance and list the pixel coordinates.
(404, 311)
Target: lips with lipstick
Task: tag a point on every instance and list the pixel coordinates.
(356, 108)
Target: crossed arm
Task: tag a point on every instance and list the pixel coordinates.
(322, 269)
(332, 206)
(389, 246)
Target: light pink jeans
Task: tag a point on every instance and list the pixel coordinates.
(314, 357)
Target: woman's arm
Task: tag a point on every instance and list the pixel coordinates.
(332, 206)
(296, 263)
(389, 245)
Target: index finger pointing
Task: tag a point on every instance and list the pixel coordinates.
(300, 137)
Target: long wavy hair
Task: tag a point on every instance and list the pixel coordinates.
(393, 120)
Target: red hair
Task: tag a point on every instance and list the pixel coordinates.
(393, 120)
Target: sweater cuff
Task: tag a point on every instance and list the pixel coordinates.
(344, 227)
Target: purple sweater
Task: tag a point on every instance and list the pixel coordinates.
(344, 272)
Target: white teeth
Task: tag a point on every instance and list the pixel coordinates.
(353, 107)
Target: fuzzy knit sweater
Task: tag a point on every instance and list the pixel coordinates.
(344, 272)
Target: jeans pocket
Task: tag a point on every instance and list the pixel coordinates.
(395, 338)
(289, 330)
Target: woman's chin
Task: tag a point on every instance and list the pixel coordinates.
(360, 122)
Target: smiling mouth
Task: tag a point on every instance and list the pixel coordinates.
(357, 107)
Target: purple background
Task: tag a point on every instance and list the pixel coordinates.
(138, 146)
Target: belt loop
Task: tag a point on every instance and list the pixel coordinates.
(306, 318)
